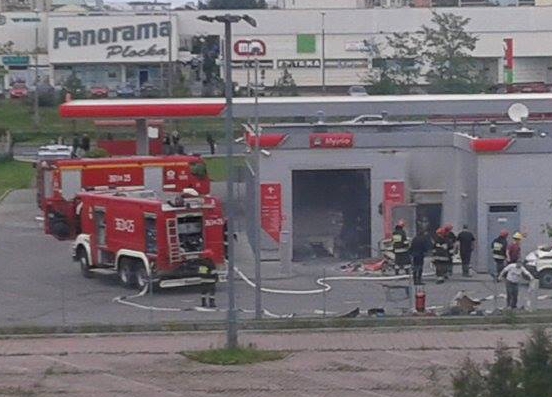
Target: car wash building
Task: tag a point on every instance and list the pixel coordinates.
(339, 188)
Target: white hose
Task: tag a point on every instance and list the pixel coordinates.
(322, 282)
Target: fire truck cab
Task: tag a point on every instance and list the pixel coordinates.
(144, 238)
(59, 181)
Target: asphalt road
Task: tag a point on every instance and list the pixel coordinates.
(41, 285)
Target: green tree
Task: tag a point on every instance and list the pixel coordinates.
(447, 49)
(529, 376)
(233, 4)
(536, 359)
(405, 69)
(379, 76)
(503, 374)
(285, 85)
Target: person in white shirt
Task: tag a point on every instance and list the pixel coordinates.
(513, 273)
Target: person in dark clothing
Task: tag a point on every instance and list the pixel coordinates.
(440, 255)
(209, 278)
(451, 240)
(418, 248)
(75, 145)
(401, 248)
(211, 142)
(465, 240)
(85, 143)
(499, 246)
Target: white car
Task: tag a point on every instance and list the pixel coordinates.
(365, 119)
(357, 90)
(539, 264)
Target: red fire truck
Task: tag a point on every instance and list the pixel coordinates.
(59, 181)
(143, 238)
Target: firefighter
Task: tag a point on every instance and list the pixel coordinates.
(401, 247)
(513, 252)
(452, 247)
(499, 246)
(209, 278)
(440, 255)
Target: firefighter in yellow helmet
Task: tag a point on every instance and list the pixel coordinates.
(209, 278)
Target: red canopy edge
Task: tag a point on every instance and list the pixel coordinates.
(139, 111)
(490, 145)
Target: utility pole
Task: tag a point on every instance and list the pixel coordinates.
(36, 116)
(323, 65)
(171, 69)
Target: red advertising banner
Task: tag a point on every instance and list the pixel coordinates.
(271, 209)
(331, 140)
(393, 194)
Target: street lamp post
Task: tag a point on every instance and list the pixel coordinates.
(170, 76)
(36, 115)
(323, 65)
(257, 190)
(228, 20)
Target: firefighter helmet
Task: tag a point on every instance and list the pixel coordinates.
(448, 227)
(517, 236)
(401, 223)
(504, 233)
(440, 231)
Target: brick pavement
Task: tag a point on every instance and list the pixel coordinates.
(362, 362)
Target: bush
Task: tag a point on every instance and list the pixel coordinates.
(97, 153)
(529, 376)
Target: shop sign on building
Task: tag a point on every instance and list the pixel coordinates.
(346, 63)
(331, 140)
(271, 209)
(298, 63)
(263, 64)
(15, 60)
(247, 47)
(111, 39)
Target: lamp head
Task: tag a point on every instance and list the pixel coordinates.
(205, 18)
(250, 20)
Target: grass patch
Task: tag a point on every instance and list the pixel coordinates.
(216, 167)
(15, 175)
(238, 356)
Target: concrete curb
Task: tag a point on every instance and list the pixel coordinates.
(295, 324)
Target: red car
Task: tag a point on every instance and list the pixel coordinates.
(19, 90)
(99, 92)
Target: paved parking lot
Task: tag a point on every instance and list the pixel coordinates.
(361, 362)
(40, 285)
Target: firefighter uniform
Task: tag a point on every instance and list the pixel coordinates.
(499, 246)
(401, 247)
(440, 256)
(451, 241)
(209, 278)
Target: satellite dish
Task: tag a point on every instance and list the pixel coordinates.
(518, 112)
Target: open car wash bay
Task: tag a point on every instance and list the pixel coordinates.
(337, 189)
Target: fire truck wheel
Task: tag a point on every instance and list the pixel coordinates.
(142, 277)
(83, 261)
(126, 274)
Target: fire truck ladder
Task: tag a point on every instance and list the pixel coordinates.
(174, 243)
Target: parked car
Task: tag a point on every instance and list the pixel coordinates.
(539, 264)
(148, 90)
(19, 90)
(126, 91)
(357, 90)
(365, 118)
(99, 92)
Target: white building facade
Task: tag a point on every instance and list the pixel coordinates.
(323, 46)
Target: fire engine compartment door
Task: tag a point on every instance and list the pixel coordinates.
(153, 178)
(70, 183)
(190, 232)
(48, 182)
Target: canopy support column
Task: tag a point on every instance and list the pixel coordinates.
(142, 141)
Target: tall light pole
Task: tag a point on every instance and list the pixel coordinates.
(36, 117)
(323, 65)
(228, 20)
(255, 50)
(171, 71)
